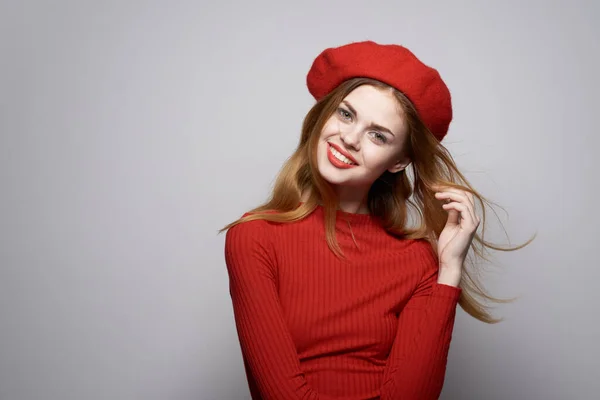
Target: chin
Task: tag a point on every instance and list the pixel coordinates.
(333, 177)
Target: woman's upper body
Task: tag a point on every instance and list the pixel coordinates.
(334, 296)
(312, 326)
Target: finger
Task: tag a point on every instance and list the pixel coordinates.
(471, 198)
(453, 217)
(459, 196)
(468, 195)
(465, 215)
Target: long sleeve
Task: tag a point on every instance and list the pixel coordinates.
(417, 363)
(269, 353)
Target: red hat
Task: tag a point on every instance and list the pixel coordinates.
(392, 64)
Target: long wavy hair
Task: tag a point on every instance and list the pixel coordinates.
(389, 197)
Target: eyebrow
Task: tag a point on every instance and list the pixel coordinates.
(372, 125)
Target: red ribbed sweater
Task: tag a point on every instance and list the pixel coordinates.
(312, 326)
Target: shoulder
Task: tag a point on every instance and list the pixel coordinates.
(423, 255)
(248, 248)
(419, 248)
(248, 235)
(424, 247)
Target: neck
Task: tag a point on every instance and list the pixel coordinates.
(352, 199)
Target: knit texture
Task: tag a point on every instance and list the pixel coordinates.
(312, 326)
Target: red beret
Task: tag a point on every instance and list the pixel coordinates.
(392, 64)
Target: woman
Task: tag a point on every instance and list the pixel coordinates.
(334, 295)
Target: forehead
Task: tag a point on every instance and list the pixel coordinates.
(376, 105)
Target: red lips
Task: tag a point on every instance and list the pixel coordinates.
(345, 153)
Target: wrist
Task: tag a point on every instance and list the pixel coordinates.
(450, 280)
(450, 275)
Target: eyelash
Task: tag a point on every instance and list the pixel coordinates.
(378, 136)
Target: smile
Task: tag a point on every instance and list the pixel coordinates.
(338, 159)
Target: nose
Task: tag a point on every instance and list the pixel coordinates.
(350, 136)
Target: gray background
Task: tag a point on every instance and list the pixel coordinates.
(131, 131)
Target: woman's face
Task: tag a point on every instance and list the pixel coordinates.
(363, 138)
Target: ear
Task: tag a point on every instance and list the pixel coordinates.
(399, 166)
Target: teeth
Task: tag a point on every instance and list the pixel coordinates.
(340, 156)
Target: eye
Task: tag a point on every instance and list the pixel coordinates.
(345, 114)
(378, 137)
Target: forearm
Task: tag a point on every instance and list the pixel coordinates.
(418, 359)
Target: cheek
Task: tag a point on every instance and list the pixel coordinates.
(376, 157)
(330, 128)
